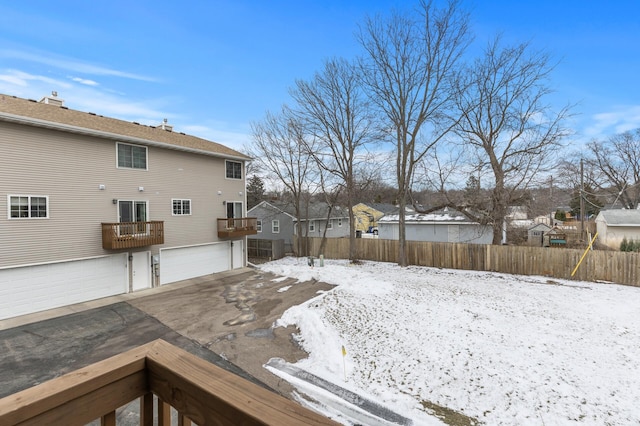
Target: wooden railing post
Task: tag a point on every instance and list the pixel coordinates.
(146, 409)
(108, 419)
(164, 413)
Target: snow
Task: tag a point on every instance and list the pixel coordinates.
(426, 217)
(504, 349)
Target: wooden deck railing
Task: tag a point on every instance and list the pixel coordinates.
(201, 393)
(125, 235)
(237, 227)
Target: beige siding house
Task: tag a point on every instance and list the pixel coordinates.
(91, 206)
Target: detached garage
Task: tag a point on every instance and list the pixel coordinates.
(29, 289)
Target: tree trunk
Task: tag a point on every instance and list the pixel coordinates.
(500, 206)
(402, 235)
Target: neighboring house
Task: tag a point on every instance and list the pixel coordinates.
(615, 225)
(446, 225)
(315, 221)
(366, 215)
(277, 220)
(535, 234)
(517, 213)
(274, 222)
(517, 217)
(95, 206)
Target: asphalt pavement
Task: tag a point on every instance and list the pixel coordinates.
(224, 318)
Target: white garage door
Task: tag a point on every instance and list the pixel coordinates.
(29, 289)
(182, 263)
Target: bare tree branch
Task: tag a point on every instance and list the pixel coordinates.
(408, 68)
(506, 123)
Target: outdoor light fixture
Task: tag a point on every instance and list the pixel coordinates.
(101, 187)
(114, 201)
(141, 188)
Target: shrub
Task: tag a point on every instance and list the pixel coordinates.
(624, 245)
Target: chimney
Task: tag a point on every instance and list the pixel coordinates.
(165, 126)
(52, 100)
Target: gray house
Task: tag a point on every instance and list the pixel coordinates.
(446, 225)
(336, 226)
(536, 233)
(277, 220)
(274, 222)
(615, 225)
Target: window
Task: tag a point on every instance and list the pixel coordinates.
(234, 209)
(181, 207)
(28, 206)
(312, 226)
(132, 214)
(132, 156)
(330, 224)
(275, 226)
(259, 225)
(234, 169)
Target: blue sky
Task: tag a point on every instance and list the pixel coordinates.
(213, 67)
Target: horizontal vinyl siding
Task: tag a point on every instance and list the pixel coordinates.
(69, 169)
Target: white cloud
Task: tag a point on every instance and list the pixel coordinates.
(619, 120)
(23, 79)
(216, 133)
(70, 64)
(85, 81)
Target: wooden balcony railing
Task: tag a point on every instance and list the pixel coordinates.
(237, 227)
(201, 393)
(126, 235)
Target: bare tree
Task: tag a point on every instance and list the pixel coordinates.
(506, 123)
(281, 145)
(616, 162)
(408, 69)
(334, 108)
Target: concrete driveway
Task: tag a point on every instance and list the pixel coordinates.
(224, 318)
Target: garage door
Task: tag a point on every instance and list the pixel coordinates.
(182, 263)
(29, 289)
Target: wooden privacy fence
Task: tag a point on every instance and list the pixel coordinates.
(598, 265)
(265, 249)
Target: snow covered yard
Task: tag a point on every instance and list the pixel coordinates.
(503, 349)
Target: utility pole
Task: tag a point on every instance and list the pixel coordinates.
(581, 198)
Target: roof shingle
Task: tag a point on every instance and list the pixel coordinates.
(61, 115)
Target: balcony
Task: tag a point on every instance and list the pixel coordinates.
(200, 392)
(127, 235)
(237, 227)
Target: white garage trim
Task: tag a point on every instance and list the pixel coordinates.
(33, 288)
(182, 263)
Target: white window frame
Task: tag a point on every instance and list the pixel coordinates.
(259, 225)
(312, 226)
(275, 226)
(182, 202)
(29, 198)
(146, 157)
(330, 224)
(226, 169)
